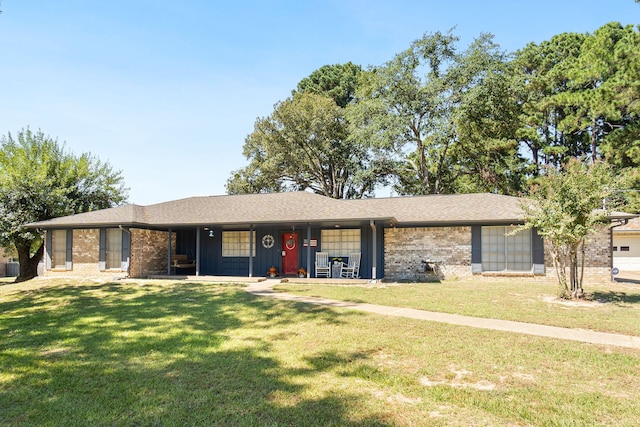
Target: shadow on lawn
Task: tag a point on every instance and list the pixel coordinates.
(617, 298)
(156, 355)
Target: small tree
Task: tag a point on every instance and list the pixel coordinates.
(39, 180)
(565, 207)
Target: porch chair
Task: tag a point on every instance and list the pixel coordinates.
(323, 269)
(352, 269)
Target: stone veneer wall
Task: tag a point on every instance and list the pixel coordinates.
(149, 252)
(405, 248)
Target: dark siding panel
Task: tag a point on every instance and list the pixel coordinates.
(537, 247)
(186, 242)
(213, 263)
(102, 255)
(366, 247)
(476, 244)
(126, 246)
(380, 272)
(49, 247)
(210, 250)
(69, 248)
(267, 257)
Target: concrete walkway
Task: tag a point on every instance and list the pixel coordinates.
(265, 289)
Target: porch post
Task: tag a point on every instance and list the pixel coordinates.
(169, 253)
(197, 251)
(308, 250)
(251, 250)
(374, 250)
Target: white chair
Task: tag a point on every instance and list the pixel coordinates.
(323, 269)
(352, 269)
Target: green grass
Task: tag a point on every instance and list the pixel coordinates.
(179, 353)
(611, 307)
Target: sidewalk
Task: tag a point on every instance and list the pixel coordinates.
(264, 289)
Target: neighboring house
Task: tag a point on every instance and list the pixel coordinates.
(626, 246)
(244, 235)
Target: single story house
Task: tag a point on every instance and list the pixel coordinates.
(626, 246)
(398, 238)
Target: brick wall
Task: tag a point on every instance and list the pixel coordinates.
(149, 252)
(148, 255)
(85, 259)
(405, 248)
(598, 260)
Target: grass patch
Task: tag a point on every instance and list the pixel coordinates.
(178, 353)
(612, 307)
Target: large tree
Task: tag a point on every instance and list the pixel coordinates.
(579, 96)
(40, 180)
(541, 73)
(429, 106)
(304, 143)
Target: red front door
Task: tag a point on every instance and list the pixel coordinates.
(289, 253)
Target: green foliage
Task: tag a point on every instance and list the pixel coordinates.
(39, 180)
(437, 119)
(579, 95)
(447, 117)
(338, 82)
(304, 143)
(565, 207)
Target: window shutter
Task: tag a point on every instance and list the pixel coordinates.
(49, 247)
(102, 256)
(537, 252)
(69, 263)
(476, 249)
(126, 249)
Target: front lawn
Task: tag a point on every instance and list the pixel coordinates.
(179, 353)
(611, 307)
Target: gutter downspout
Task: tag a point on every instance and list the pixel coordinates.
(374, 250)
(169, 253)
(197, 251)
(620, 223)
(308, 250)
(251, 250)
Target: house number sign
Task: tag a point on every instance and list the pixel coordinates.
(268, 241)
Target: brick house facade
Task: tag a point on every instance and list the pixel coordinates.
(451, 249)
(398, 239)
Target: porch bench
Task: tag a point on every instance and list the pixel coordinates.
(182, 261)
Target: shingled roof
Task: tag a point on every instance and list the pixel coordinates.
(448, 209)
(301, 207)
(290, 207)
(632, 226)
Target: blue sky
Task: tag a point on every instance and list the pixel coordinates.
(167, 91)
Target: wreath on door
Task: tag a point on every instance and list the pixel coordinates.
(268, 241)
(290, 243)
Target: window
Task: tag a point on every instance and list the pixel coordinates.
(624, 248)
(114, 248)
(59, 249)
(502, 251)
(236, 243)
(341, 243)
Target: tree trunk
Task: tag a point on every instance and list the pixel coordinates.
(28, 263)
